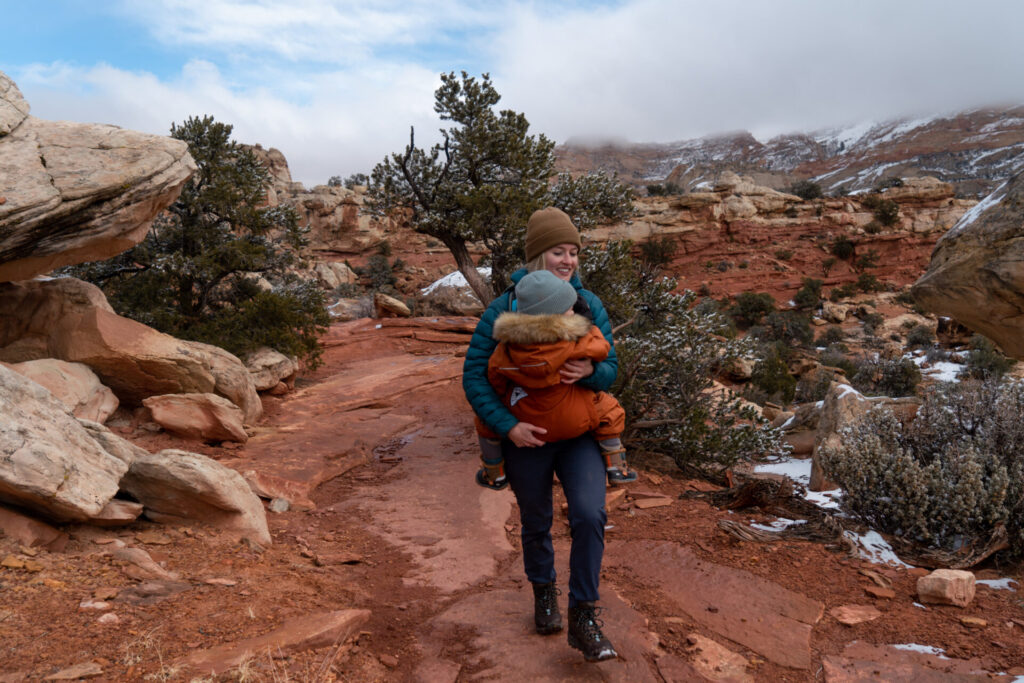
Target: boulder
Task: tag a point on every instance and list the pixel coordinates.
(122, 449)
(976, 274)
(947, 587)
(833, 312)
(48, 462)
(389, 307)
(332, 274)
(71, 320)
(344, 310)
(77, 192)
(27, 531)
(268, 367)
(13, 107)
(74, 385)
(198, 416)
(231, 379)
(174, 485)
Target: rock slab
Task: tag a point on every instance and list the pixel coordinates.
(771, 620)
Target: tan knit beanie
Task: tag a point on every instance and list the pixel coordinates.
(548, 228)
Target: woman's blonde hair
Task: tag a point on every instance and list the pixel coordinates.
(535, 264)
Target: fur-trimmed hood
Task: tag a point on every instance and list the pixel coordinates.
(520, 328)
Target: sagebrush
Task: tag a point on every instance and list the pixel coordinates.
(947, 478)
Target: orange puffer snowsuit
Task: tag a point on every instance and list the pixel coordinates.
(524, 372)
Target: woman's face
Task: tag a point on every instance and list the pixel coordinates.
(562, 260)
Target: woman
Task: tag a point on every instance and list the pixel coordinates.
(553, 244)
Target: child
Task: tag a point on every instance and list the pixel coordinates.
(535, 340)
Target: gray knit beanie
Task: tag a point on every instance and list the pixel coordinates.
(544, 293)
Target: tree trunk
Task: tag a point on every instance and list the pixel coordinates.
(457, 246)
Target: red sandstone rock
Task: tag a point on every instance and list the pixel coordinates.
(946, 587)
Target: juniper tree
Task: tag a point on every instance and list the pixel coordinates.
(483, 180)
(196, 274)
(669, 352)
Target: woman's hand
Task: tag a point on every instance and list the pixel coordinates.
(525, 434)
(576, 369)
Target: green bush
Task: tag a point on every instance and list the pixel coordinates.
(809, 295)
(946, 479)
(920, 335)
(985, 361)
(842, 248)
(871, 322)
(806, 189)
(826, 265)
(886, 212)
(193, 276)
(867, 282)
(784, 254)
(750, 307)
(833, 334)
(771, 376)
(813, 386)
(788, 327)
(668, 354)
(664, 190)
(842, 291)
(659, 251)
(835, 357)
(865, 261)
(886, 377)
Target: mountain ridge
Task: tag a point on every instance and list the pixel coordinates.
(974, 150)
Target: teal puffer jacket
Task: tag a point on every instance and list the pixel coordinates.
(479, 392)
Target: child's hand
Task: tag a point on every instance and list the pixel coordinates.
(576, 369)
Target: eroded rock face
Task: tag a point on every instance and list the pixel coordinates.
(175, 485)
(77, 192)
(268, 367)
(71, 320)
(198, 416)
(48, 461)
(74, 384)
(975, 275)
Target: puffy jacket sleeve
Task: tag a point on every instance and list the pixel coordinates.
(481, 395)
(605, 371)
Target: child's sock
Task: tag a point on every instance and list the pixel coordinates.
(492, 475)
(615, 461)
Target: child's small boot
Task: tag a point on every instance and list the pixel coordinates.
(492, 474)
(615, 463)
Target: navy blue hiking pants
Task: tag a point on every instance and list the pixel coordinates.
(580, 470)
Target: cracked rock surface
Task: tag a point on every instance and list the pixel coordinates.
(75, 192)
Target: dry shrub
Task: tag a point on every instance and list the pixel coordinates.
(947, 478)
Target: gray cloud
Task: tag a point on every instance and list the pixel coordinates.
(336, 85)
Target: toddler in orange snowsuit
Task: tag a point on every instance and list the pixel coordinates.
(535, 341)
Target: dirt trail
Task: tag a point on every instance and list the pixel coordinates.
(392, 565)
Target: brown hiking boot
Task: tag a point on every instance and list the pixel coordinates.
(545, 609)
(585, 633)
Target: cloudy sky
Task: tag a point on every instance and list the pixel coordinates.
(336, 84)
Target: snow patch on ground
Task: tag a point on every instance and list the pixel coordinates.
(876, 549)
(923, 649)
(456, 279)
(943, 370)
(797, 469)
(779, 524)
(999, 584)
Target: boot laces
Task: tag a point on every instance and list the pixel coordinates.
(548, 598)
(589, 623)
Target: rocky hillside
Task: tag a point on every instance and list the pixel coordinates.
(974, 151)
